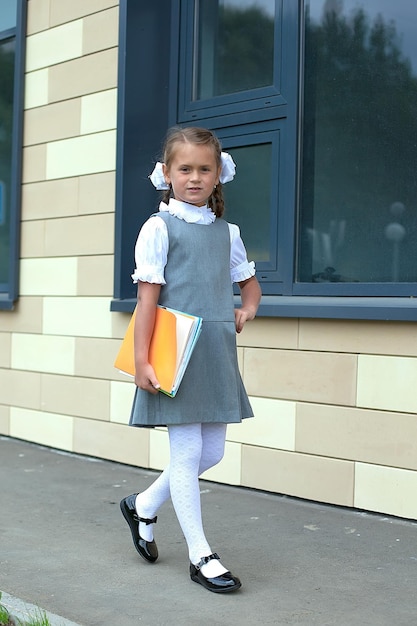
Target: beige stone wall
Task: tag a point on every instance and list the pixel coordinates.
(335, 401)
(339, 408)
(58, 385)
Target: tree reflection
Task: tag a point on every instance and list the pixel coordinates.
(245, 49)
(360, 140)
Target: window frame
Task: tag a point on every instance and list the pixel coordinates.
(284, 298)
(9, 295)
(253, 102)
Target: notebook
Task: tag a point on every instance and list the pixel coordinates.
(173, 341)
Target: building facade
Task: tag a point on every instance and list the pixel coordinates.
(316, 102)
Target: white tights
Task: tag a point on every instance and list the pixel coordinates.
(194, 448)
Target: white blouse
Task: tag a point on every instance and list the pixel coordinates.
(151, 250)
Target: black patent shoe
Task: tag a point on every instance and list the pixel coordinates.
(219, 584)
(146, 549)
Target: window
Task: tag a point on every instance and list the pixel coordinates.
(12, 17)
(228, 37)
(230, 57)
(358, 215)
(218, 64)
(315, 100)
(233, 79)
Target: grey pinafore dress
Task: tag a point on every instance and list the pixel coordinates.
(197, 278)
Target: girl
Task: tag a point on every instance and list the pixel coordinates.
(187, 257)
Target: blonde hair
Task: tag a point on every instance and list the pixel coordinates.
(201, 137)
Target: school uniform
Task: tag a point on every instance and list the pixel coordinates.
(196, 257)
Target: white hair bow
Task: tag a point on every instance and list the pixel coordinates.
(157, 178)
(228, 170)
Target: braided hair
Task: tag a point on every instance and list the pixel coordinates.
(197, 136)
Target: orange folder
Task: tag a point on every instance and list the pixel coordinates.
(173, 340)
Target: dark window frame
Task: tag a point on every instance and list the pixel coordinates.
(251, 102)
(10, 293)
(153, 34)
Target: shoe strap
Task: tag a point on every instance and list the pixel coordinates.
(145, 520)
(206, 559)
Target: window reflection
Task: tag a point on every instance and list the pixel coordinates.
(248, 198)
(359, 189)
(8, 10)
(234, 46)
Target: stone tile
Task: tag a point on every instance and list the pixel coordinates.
(81, 155)
(48, 429)
(5, 349)
(121, 400)
(80, 397)
(20, 389)
(4, 420)
(229, 469)
(359, 336)
(301, 475)
(272, 427)
(101, 30)
(50, 199)
(99, 112)
(37, 16)
(32, 239)
(158, 448)
(378, 437)
(67, 11)
(120, 322)
(43, 353)
(386, 490)
(115, 442)
(95, 72)
(387, 383)
(34, 164)
(303, 376)
(36, 88)
(73, 236)
(54, 45)
(48, 277)
(52, 122)
(270, 333)
(77, 317)
(95, 276)
(94, 358)
(25, 318)
(97, 193)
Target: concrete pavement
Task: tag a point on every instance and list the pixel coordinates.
(65, 547)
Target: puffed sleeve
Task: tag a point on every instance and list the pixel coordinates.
(151, 252)
(240, 268)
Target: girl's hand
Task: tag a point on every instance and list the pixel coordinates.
(145, 379)
(241, 317)
(251, 295)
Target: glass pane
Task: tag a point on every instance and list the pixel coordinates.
(8, 13)
(234, 46)
(248, 198)
(359, 187)
(6, 120)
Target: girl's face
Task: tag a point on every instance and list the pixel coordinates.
(192, 173)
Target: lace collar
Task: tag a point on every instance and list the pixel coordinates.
(188, 212)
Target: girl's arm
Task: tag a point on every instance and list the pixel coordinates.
(148, 295)
(250, 293)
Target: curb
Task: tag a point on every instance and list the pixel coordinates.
(21, 612)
